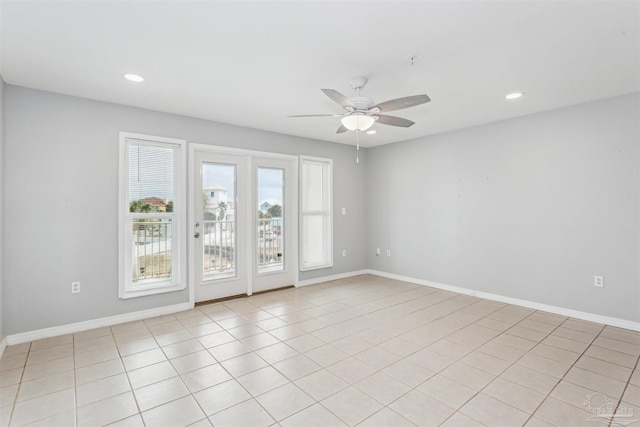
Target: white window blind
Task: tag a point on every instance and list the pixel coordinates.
(316, 231)
(152, 250)
(150, 171)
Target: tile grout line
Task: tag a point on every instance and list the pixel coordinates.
(233, 377)
(512, 363)
(15, 399)
(113, 334)
(371, 304)
(568, 370)
(460, 360)
(75, 380)
(625, 389)
(373, 345)
(443, 338)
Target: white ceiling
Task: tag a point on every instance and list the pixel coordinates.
(253, 63)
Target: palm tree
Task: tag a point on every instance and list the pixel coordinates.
(138, 206)
(134, 206)
(222, 210)
(275, 211)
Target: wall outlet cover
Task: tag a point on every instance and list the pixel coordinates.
(598, 281)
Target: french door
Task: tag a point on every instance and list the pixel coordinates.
(244, 212)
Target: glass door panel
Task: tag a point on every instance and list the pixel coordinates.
(218, 221)
(270, 227)
(220, 236)
(244, 222)
(275, 250)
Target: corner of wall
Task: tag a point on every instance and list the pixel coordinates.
(3, 341)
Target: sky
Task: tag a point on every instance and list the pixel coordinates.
(269, 182)
(151, 175)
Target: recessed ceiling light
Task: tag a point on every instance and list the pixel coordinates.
(513, 95)
(371, 132)
(134, 78)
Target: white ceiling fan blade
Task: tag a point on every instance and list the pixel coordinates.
(342, 129)
(339, 98)
(394, 121)
(400, 103)
(317, 115)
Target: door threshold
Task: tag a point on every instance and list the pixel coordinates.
(273, 290)
(239, 296)
(213, 301)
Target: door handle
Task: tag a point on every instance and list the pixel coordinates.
(196, 235)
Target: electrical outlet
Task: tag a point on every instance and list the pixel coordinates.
(75, 287)
(378, 252)
(344, 211)
(344, 252)
(598, 281)
(388, 252)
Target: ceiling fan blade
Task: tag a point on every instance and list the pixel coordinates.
(342, 129)
(394, 121)
(400, 103)
(339, 98)
(317, 115)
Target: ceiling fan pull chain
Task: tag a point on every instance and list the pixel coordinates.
(357, 146)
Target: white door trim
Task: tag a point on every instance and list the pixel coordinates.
(290, 202)
(192, 148)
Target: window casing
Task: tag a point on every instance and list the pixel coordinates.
(316, 213)
(152, 241)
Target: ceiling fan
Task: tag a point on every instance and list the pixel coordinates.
(362, 112)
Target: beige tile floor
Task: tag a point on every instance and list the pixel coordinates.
(363, 351)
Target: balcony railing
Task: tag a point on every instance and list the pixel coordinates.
(151, 250)
(270, 244)
(219, 244)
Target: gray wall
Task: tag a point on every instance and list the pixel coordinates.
(2, 127)
(530, 208)
(62, 194)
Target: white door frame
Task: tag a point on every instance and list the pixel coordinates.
(289, 165)
(249, 200)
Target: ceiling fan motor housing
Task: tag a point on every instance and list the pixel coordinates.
(362, 112)
(362, 103)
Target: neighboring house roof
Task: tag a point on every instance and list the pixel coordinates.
(265, 206)
(154, 201)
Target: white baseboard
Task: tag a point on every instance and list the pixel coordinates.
(93, 324)
(330, 278)
(131, 317)
(3, 346)
(160, 311)
(591, 317)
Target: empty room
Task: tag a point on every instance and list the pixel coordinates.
(319, 213)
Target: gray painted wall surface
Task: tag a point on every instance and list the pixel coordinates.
(62, 195)
(2, 127)
(530, 208)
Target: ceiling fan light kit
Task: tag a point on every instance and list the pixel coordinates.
(357, 122)
(362, 112)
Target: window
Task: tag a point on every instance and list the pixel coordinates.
(152, 204)
(316, 219)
